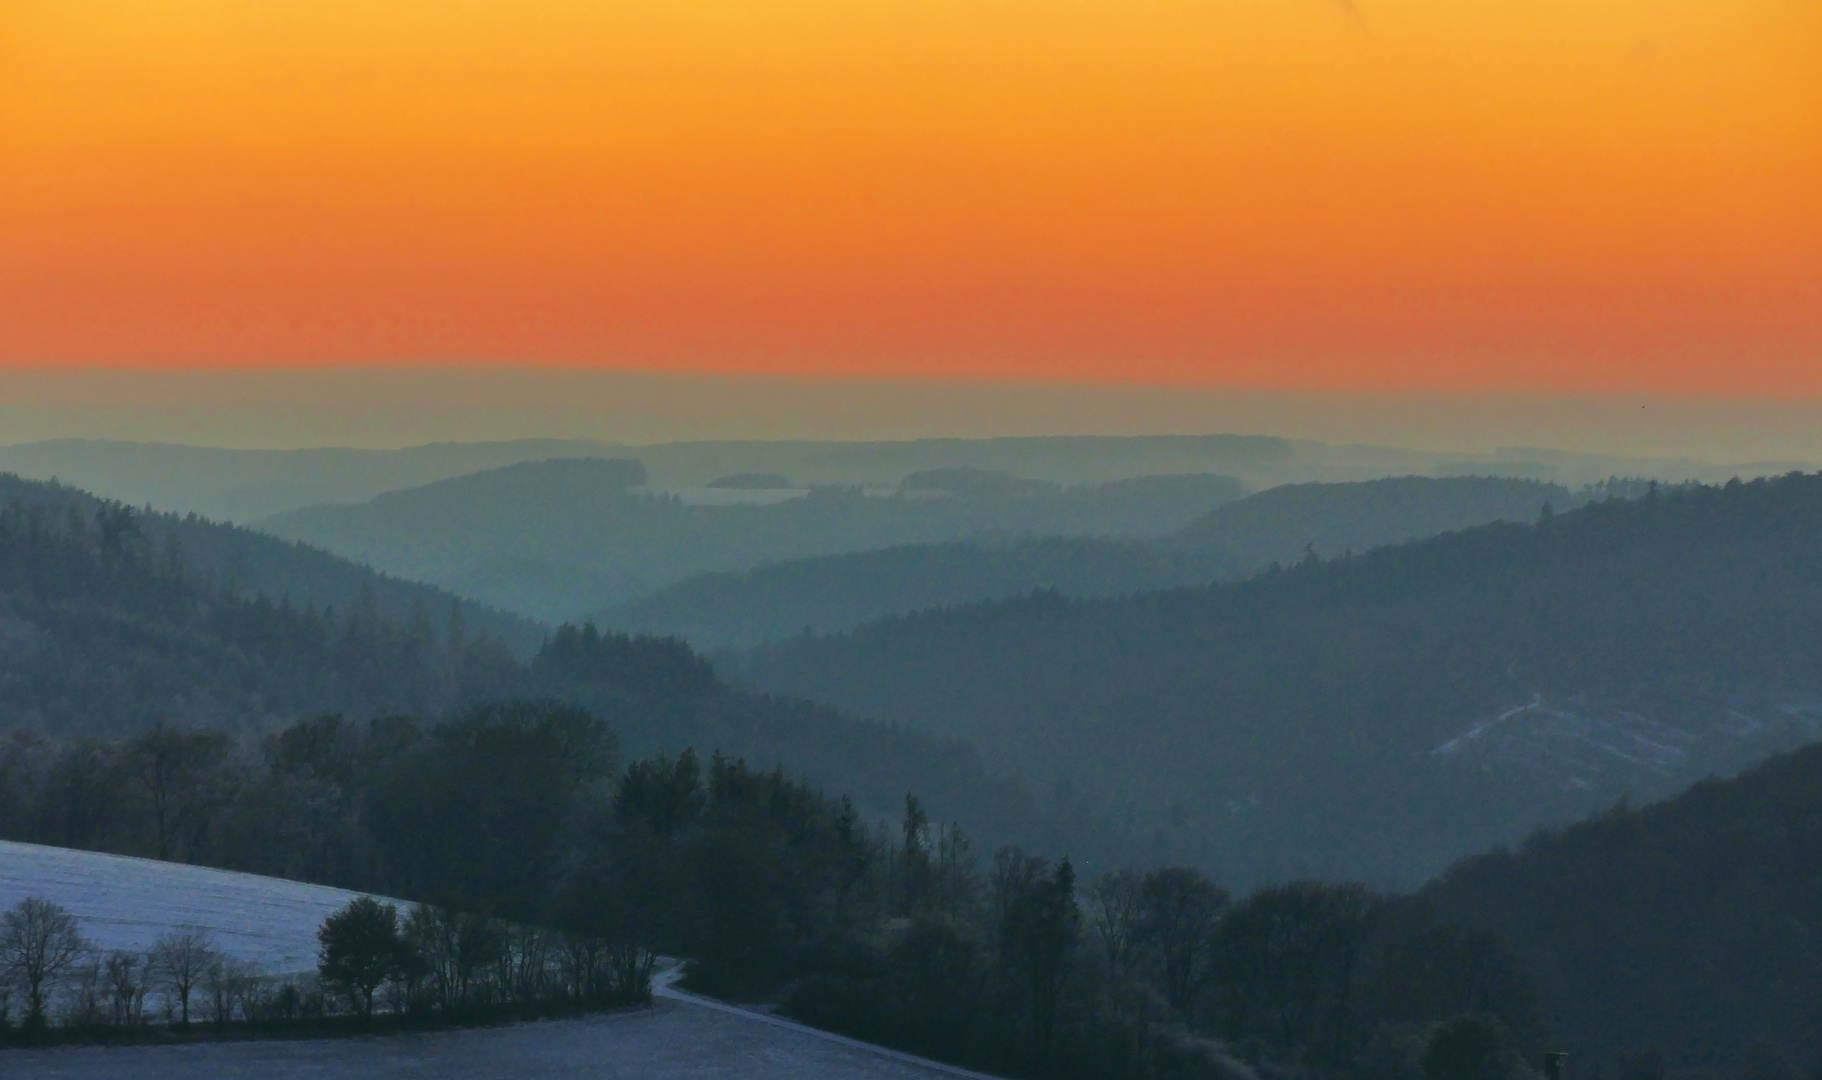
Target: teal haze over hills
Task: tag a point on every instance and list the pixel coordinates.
(256, 566)
(563, 538)
(247, 485)
(1237, 539)
(113, 623)
(1574, 719)
(1232, 725)
(1379, 715)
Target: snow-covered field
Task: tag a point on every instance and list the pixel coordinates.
(675, 1041)
(125, 903)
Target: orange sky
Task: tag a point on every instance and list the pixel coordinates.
(1575, 195)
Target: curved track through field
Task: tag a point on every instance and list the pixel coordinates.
(125, 903)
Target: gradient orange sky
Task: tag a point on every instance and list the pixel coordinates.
(1556, 195)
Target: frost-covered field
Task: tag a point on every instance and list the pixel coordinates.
(675, 1041)
(126, 903)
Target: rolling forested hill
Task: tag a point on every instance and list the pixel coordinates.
(838, 592)
(1380, 715)
(248, 485)
(561, 539)
(112, 620)
(1376, 713)
(240, 561)
(111, 623)
(1282, 524)
(1692, 927)
(833, 593)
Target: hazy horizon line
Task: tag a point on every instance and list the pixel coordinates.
(398, 406)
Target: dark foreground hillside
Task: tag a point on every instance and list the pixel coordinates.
(1692, 927)
(552, 875)
(1677, 935)
(1383, 714)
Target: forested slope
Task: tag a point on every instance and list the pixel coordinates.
(1693, 927)
(1281, 524)
(104, 632)
(833, 593)
(838, 592)
(1383, 714)
(1626, 646)
(239, 560)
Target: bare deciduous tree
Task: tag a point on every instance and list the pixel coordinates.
(229, 983)
(86, 1008)
(126, 981)
(455, 948)
(183, 778)
(180, 960)
(1289, 952)
(39, 941)
(1038, 926)
(1180, 911)
(1113, 912)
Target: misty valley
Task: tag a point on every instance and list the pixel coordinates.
(1231, 758)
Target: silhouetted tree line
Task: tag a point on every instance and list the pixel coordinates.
(468, 812)
(430, 967)
(1677, 935)
(532, 851)
(1024, 971)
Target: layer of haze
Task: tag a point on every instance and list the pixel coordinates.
(1609, 196)
(394, 407)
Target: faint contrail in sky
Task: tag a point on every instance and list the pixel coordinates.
(1352, 11)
